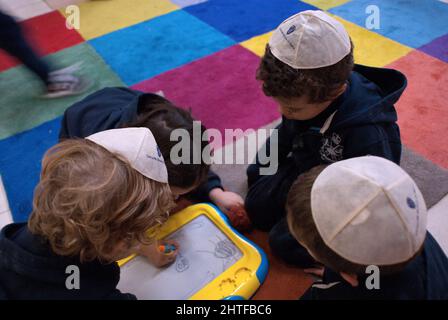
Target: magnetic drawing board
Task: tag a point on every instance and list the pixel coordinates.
(213, 261)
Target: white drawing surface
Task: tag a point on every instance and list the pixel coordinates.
(205, 252)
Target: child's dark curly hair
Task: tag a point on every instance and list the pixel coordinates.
(162, 117)
(319, 85)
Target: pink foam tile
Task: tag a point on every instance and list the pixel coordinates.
(220, 89)
(422, 110)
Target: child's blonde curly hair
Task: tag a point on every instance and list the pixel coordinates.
(89, 200)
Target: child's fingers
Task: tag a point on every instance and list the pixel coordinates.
(172, 242)
(225, 210)
(173, 252)
(169, 258)
(235, 198)
(240, 201)
(315, 271)
(173, 255)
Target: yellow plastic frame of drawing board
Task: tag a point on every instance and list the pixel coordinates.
(239, 281)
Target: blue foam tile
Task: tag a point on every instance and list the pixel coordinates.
(242, 20)
(152, 47)
(411, 22)
(20, 164)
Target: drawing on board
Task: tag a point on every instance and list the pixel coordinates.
(182, 263)
(225, 250)
(205, 252)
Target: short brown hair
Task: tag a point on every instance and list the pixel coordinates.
(162, 117)
(88, 200)
(319, 85)
(302, 226)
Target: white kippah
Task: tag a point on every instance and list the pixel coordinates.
(310, 39)
(138, 146)
(369, 211)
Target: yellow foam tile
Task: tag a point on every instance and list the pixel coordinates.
(101, 17)
(371, 48)
(257, 44)
(326, 4)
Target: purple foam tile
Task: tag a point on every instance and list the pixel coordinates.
(187, 3)
(437, 48)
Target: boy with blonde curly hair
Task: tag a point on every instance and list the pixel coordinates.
(96, 199)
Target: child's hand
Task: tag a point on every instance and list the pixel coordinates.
(156, 257)
(232, 205)
(225, 200)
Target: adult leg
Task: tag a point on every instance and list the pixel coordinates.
(13, 41)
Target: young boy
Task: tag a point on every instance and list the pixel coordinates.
(95, 201)
(331, 110)
(122, 107)
(365, 212)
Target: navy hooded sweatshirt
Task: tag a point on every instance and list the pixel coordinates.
(361, 121)
(30, 270)
(111, 108)
(424, 278)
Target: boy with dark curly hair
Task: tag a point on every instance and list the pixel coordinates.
(331, 110)
(369, 233)
(120, 107)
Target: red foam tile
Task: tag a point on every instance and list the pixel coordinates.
(220, 89)
(422, 110)
(47, 34)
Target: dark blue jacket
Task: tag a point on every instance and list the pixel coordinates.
(30, 270)
(111, 108)
(364, 123)
(424, 278)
